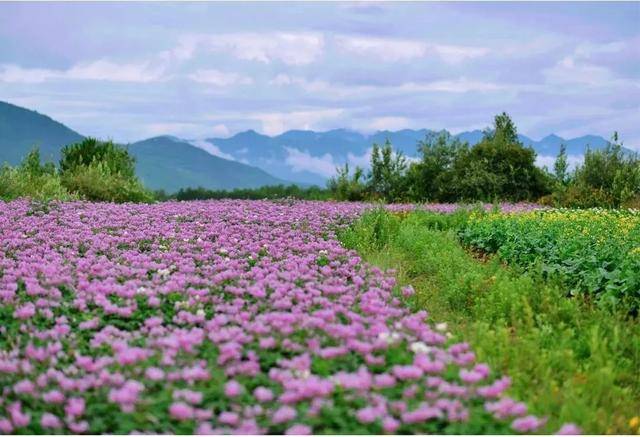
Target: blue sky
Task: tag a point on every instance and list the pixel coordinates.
(128, 71)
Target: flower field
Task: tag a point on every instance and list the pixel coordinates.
(595, 252)
(222, 317)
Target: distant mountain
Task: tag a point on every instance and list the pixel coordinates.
(308, 156)
(169, 163)
(22, 129)
(162, 162)
(304, 156)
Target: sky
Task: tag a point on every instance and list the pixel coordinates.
(128, 71)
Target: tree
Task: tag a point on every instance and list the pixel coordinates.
(561, 166)
(116, 159)
(431, 178)
(346, 187)
(499, 167)
(387, 176)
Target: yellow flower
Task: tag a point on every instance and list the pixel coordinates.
(634, 422)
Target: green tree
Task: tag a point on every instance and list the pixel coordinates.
(344, 186)
(561, 166)
(91, 151)
(499, 167)
(387, 177)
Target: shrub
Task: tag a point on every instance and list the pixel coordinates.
(101, 171)
(33, 180)
(97, 182)
(89, 151)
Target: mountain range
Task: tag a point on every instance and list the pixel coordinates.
(247, 159)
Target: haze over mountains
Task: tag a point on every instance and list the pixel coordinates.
(247, 159)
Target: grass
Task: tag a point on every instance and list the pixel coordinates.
(570, 361)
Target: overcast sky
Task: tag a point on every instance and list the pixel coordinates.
(128, 71)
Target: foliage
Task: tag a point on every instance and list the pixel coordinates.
(33, 180)
(594, 253)
(344, 186)
(387, 176)
(232, 317)
(97, 182)
(607, 178)
(265, 192)
(115, 159)
(499, 167)
(573, 361)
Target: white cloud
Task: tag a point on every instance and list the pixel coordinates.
(384, 48)
(212, 149)
(220, 78)
(303, 161)
(274, 123)
(102, 70)
(393, 49)
(461, 85)
(547, 161)
(291, 48)
(389, 123)
(568, 71)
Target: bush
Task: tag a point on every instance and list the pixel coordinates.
(97, 182)
(101, 171)
(90, 151)
(33, 180)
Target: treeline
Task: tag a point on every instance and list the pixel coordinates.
(266, 192)
(91, 169)
(499, 167)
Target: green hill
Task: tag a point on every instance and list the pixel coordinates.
(169, 163)
(162, 162)
(22, 129)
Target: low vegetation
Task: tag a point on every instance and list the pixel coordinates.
(91, 170)
(497, 168)
(572, 360)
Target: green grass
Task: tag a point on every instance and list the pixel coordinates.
(569, 361)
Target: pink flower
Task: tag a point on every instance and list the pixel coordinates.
(390, 425)
(228, 418)
(283, 414)
(407, 372)
(263, 394)
(181, 411)
(569, 429)
(26, 311)
(53, 397)
(18, 418)
(233, 388)
(5, 426)
(367, 415)
(24, 387)
(527, 423)
(48, 420)
(154, 374)
(75, 407)
(298, 429)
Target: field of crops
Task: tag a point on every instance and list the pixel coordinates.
(227, 316)
(594, 253)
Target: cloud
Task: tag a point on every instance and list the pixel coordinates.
(568, 71)
(384, 48)
(101, 70)
(211, 148)
(394, 49)
(303, 161)
(547, 161)
(291, 48)
(220, 78)
(389, 123)
(461, 85)
(274, 123)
